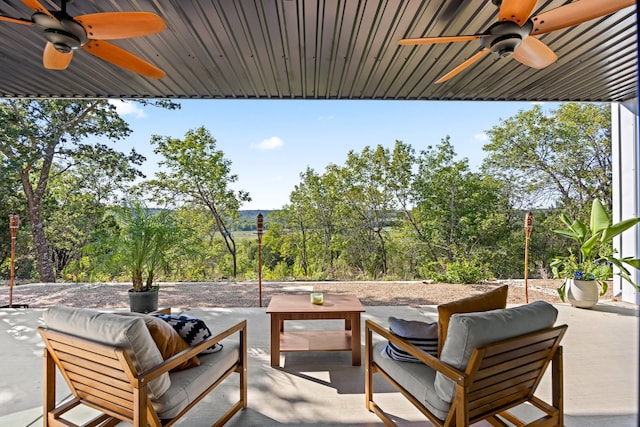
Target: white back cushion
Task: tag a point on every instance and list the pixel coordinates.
(472, 330)
(125, 332)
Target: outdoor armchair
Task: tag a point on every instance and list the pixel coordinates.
(490, 363)
(112, 364)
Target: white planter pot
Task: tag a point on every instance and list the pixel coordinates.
(582, 293)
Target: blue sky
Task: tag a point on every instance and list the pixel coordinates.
(271, 142)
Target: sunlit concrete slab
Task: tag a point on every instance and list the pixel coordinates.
(323, 389)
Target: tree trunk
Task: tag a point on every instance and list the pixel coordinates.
(305, 265)
(34, 202)
(383, 249)
(43, 256)
(235, 259)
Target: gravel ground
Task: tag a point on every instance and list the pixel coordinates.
(246, 294)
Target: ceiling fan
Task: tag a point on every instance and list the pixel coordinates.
(514, 33)
(65, 34)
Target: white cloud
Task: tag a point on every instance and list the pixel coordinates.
(325, 118)
(481, 137)
(125, 108)
(269, 144)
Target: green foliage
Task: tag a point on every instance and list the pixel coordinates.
(464, 271)
(456, 210)
(43, 138)
(141, 244)
(196, 173)
(558, 158)
(594, 257)
(383, 213)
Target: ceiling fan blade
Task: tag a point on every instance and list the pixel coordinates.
(37, 7)
(121, 25)
(576, 13)
(54, 60)
(434, 40)
(534, 53)
(463, 66)
(15, 20)
(122, 58)
(517, 11)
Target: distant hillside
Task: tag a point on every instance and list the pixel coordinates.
(247, 219)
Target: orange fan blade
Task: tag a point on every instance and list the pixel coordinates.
(434, 40)
(15, 20)
(534, 53)
(576, 13)
(54, 60)
(37, 7)
(122, 58)
(463, 66)
(517, 11)
(120, 25)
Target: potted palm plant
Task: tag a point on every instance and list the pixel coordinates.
(141, 248)
(586, 269)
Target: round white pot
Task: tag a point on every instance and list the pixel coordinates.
(582, 293)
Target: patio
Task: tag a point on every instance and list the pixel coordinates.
(323, 389)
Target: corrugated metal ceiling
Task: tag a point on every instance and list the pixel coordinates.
(324, 49)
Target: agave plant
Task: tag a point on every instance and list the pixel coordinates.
(595, 255)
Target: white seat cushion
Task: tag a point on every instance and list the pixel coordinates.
(188, 384)
(417, 378)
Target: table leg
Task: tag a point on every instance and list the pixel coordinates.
(347, 324)
(276, 324)
(355, 340)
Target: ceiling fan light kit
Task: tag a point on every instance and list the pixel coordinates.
(504, 37)
(513, 35)
(64, 34)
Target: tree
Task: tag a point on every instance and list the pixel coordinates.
(43, 138)
(457, 212)
(562, 158)
(365, 187)
(298, 216)
(312, 218)
(198, 174)
(76, 202)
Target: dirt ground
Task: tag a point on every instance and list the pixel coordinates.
(246, 294)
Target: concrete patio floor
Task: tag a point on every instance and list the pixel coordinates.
(323, 389)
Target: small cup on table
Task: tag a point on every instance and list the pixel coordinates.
(317, 298)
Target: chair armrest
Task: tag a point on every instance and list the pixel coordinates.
(187, 354)
(424, 357)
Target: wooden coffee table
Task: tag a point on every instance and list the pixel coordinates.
(299, 307)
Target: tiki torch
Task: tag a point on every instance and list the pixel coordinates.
(528, 224)
(260, 228)
(14, 223)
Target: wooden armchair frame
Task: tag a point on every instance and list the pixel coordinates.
(499, 377)
(103, 377)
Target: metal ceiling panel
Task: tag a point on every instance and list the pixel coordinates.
(324, 49)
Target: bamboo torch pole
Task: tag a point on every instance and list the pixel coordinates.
(528, 224)
(14, 222)
(260, 221)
